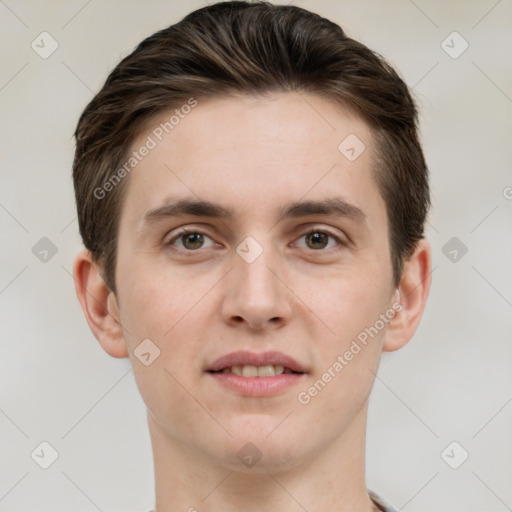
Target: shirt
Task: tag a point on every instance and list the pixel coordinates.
(385, 507)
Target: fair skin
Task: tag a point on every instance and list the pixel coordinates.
(307, 297)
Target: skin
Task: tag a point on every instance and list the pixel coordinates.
(254, 156)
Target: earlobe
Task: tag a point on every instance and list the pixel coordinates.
(412, 292)
(99, 305)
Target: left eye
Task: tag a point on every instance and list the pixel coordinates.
(317, 239)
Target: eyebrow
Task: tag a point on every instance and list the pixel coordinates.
(334, 206)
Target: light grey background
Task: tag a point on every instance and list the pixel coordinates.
(453, 382)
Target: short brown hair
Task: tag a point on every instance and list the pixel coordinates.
(250, 48)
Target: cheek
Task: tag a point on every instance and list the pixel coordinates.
(152, 298)
(353, 354)
(349, 304)
(155, 307)
(349, 358)
(163, 391)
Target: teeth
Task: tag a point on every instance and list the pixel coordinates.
(268, 370)
(249, 371)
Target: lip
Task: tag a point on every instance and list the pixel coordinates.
(256, 386)
(243, 358)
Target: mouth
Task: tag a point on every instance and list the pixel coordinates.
(256, 374)
(256, 364)
(268, 370)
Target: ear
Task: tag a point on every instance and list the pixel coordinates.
(412, 294)
(99, 305)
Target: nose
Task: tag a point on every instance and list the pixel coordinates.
(256, 296)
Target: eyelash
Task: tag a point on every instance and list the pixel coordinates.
(341, 243)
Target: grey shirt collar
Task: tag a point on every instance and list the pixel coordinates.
(385, 507)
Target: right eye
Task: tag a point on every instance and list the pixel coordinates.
(189, 240)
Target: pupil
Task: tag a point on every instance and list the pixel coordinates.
(318, 238)
(193, 240)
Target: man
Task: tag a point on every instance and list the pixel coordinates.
(251, 193)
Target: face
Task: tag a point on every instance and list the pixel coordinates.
(279, 268)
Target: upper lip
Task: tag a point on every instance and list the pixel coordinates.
(245, 358)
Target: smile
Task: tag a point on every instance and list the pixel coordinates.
(253, 374)
(268, 370)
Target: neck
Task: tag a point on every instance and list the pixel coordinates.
(330, 479)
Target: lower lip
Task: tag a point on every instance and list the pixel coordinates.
(257, 386)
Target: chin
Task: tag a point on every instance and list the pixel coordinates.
(259, 447)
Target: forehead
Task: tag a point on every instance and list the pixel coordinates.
(253, 154)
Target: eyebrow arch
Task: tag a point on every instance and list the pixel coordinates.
(334, 206)
(331, 206)
(197, 208)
